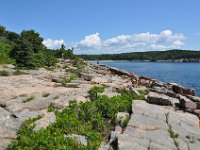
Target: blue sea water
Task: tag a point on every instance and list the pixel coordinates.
(186, 74)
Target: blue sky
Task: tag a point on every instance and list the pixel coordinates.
(107, 26)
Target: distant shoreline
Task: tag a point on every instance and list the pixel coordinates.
(173, 61)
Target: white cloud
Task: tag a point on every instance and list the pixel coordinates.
(157, 47)
(134, 42)
(53, 44)
(92, 40)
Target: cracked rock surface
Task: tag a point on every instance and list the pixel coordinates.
(148, 129)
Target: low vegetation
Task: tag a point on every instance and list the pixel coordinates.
(30, 98)
(4, 73)
(184, 55)
(45, 94)
(19, 72)
(26, 50)
(94, 120)
(94, 91)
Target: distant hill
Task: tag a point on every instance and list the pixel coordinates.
(169, 55)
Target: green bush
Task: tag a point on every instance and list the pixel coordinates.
(95, 90)
(45, 94)
(94, 120)
(30, 98)
(4, 73)
(19, 72)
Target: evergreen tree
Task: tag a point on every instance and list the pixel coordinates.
(34, 39)
(23, 54)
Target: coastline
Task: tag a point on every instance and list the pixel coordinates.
(171, 61)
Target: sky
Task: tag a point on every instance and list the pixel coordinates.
(107, 26)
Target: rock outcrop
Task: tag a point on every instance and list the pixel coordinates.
(167, 120)
(152, 126)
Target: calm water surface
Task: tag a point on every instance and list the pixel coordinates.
(186, 74)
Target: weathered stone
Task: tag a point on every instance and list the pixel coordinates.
(182, 90)
(85, 76)
(118, 129)
(121, 72)
(4, 143)
(3, 112)
(110, 92)
(26, 114)
(165, 91)
(134, 91)
(57, 80)
(187, 103)
(45, 121)
(72, 85)
(194, 98)
(148, 129)
(161, 99)
(81, 139)
(158, 84)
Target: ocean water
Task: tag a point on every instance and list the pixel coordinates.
(186, 74)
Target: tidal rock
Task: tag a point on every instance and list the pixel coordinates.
(182, 90)
(195, 99)
(161, 99)
(187, 103)
(121, 72)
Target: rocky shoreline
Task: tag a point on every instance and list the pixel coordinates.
(168, 119)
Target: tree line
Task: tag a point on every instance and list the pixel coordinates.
(171, 55)
(26, 50)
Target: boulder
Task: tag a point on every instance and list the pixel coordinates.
(161, 99)
(146, 81)
(194, 98)
(121, 72)
(148, 128)
(182, 90)
(165, 91)
(187, 103)
(45, 121)
(85, 76)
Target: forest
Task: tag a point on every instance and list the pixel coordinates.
(168, 55)
(26, 50)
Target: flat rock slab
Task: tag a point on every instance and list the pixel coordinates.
(161, 99)
(148, 129)
(187, 103)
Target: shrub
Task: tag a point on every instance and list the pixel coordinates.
(45, 94)
(172, 134)
(56, 97)
(94, 120)
(30, 98)
(71, 70)
(95, 90)
(19, 72)
(4, 73)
